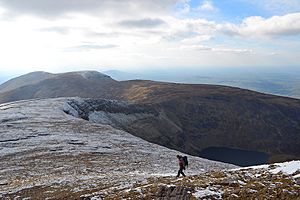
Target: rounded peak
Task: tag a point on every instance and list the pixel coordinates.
(35, 74)
(38, 72)
(24, 80)
(90, 74)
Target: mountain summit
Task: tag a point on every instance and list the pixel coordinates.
(24, 80)
(45, 85)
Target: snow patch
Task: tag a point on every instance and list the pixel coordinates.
(208, 193)
(96, 198)
(287, 167)
(296, 176)
(91, 74)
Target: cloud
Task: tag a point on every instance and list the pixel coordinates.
(207, 6)
(258, 26)
(56, 8)
(56, 29)
(142, 23)
(217, 49)
(89, 47)
(183, 8)
(95, 34)
(187, 29)
(149, 27)
(232, 50)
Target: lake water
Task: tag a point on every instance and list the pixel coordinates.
(235, 156)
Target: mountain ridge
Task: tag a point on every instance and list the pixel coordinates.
(190, 117)
(38, 76)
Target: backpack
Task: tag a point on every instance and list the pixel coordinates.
(185, 161)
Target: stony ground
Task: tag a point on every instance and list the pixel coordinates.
(47, 154)
(249, 183)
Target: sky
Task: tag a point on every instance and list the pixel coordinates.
(69, 35)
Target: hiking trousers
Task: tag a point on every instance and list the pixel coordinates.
(180, 171)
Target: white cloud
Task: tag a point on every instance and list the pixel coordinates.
(197, 39)
(56, 34)
(216, 49)
(58, 8)
(89, 47)
(207, 6)
(142, 23)
(188, 29)
(183, 7)
(257, 26)
(56, 29)
(231, 50)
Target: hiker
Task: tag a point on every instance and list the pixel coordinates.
(181, 165)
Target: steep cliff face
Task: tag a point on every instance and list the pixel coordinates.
(268, 127)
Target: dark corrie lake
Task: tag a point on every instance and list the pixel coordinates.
(235, 156)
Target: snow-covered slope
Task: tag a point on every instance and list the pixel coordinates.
(46, 153)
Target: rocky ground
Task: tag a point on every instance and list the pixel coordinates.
(277, 181)
(48, 154)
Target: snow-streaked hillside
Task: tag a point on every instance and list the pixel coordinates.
(46, 153)
(275, 181)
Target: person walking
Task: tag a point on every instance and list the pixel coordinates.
(181, 166)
